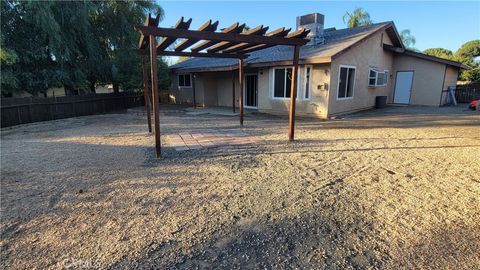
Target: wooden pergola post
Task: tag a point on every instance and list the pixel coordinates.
(240, 79)
(233, 91)
(193, 91)
(146, 95)
(156, 112)
(293, 94)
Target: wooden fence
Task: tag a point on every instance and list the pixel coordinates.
(16, 111)
(467, 92)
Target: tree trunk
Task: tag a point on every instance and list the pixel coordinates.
(116, 88)
(92, 86)
(69, 90)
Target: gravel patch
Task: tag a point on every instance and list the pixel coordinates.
(389, 189)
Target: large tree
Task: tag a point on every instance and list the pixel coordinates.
(408, 39)
(440, 52)
(357, 18)
(467, 54)
(71, 44)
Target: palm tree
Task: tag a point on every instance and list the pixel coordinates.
(357, 18)
(407, 38)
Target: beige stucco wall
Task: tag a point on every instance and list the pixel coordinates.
(315, 106)
(427, 79)
(366, 54)
(185, 94)
(451, 77)
(211, 89)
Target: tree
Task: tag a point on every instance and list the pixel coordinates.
(408, 39)
(467, 54)
(114, 23)
(357, 18)
(71, 44)
(440, 52)
(468, 51)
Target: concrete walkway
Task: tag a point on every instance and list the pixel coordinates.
(208, 138)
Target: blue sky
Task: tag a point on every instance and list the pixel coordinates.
(446, 24)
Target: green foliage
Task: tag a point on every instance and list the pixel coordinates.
(74, 44)
(408, 39)
(440, 52)
(467, 54)
(468, 51)
(357, 18)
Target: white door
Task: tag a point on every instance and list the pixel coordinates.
(403, 87)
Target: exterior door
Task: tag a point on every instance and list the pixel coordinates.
(251, 91)
(403, 87)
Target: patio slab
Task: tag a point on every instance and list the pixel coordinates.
(208, 138)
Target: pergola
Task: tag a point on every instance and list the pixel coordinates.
(231, 42)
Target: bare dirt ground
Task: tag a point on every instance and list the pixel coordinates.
(392, 189)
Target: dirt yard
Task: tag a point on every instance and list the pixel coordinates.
(391, 189)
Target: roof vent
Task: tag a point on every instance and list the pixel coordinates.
(314, 22)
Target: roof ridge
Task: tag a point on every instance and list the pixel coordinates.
(363, 26)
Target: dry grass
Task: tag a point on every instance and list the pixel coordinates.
(391, 191)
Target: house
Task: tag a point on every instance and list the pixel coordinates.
(341, 71)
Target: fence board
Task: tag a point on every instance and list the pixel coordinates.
(467, 92)
(16, 111)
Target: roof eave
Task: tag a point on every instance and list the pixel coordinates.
(425, 56)
(305, 61)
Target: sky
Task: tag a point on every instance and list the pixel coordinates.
(445, 24)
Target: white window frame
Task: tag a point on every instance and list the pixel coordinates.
(338, 82)
(385, 77)
(284, 83)
(184, 74)
(372, 78)
(309, 82)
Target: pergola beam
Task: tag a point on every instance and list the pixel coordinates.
(219, 37)
(195, 54)
(208, 26)
(210, 55)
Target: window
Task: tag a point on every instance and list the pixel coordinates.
(346, 82)
(184, 80)
(372, 78)
(308, 81)
(377, 78)
(380, 78)
(282, 81)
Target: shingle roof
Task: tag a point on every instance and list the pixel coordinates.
(335, 42)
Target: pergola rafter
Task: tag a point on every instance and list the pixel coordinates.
(234, 28)
(231, 42)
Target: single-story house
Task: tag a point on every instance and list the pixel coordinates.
(341, 71)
